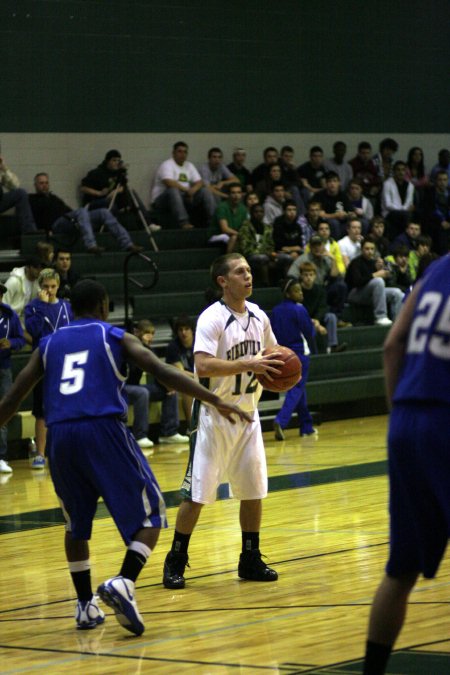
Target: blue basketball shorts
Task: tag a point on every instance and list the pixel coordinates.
(419, 471)
(98, 457)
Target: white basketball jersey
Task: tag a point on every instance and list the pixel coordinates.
(231, 336)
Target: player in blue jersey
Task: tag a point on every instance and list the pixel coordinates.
(91, 452)
(417, 372)
(293, 328)
(44, 315)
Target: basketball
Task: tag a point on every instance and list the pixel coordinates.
(290, 374)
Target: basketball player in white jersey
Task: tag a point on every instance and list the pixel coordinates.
(230, 337)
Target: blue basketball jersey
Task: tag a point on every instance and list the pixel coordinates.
(82, 377)
(425, 375)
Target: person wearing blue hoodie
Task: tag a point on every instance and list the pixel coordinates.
(11, 339)
(44, 315)
(293, 328)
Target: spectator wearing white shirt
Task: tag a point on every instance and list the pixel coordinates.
(350, 246)
(397, 201)
(178, 187)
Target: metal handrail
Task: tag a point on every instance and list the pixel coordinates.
(143, 287)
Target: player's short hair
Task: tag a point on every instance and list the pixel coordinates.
(179, 144)
(86, 296)
(221, 265)
(48, 273)
(364, 145)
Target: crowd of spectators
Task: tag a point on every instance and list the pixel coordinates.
(355, 231)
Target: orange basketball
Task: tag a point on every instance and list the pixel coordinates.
(291, 371)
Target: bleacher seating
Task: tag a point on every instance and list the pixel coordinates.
(183, 262)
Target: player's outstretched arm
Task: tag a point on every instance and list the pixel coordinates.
(173, 378)
(23, 383)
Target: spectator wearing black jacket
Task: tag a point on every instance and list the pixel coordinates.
(365, 279)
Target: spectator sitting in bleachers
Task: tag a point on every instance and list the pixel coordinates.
(291, 180)
(250, 198)
(327, 273)
(400, 274)
(178, 189)
(310, 221)
(443, 164)
(255, 242)
(16, 198)
(45, 250)
(335, 205)
(350, 245)
(22, 286)
(437, 212)
(315, 301)
(216, 176)
(287, 236)
(102, 184)
(228, 219)
(331, 245)
(238, 169)
(140, 395)
(273, 204)
(273, 176)
(312, 173)
(67, 275)
(376, 234)
(360, 205)
(338, 164)
(259, 173)
(53, 215)
(365, 170)
(365, 279)
(397, 201)
(415, 169)
(422, 249)
(180, 354)
(384, 159)
(407, 238)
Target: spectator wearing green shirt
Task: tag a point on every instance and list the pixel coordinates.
(228, 219)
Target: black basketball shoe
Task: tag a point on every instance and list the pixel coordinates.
(174, 566)
(252, 567)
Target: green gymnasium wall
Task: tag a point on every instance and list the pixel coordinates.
(224, 66)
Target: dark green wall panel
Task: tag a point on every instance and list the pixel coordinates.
(248, 65)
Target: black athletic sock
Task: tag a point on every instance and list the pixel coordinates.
(132, 565)
(180, 543)
(250, 541)
(82, 583)
(377, 657)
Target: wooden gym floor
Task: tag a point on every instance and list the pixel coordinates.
(324, 530)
